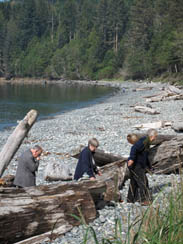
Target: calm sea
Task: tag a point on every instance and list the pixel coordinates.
(49, 99)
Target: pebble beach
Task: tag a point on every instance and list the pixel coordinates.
(110, 121)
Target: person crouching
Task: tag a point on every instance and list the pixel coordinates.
(86, 168)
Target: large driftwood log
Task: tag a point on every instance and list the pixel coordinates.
(160, 138)
(15, 139)
(44, 212)
(32, 211)
(101, 157)
(167, 157)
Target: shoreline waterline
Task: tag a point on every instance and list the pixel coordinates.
(50, 99)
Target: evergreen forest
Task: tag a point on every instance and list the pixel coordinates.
(91, 39)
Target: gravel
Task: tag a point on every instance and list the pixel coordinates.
(109, 121)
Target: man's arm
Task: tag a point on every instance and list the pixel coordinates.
(31, 164)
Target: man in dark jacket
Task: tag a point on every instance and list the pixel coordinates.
(138, 164)
(86, 164)
(28, 164)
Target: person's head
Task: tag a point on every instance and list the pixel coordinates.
(132, 138)
(93, 144)
(152, 134)
(36, 151)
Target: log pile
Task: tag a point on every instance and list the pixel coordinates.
(170, 93)
(44, 212)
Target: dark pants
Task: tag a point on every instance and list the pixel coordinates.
(139, 186)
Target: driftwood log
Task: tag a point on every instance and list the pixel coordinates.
(160, 138)
(101, 157)
(167, 157)
(44, 212)
(15, 139)
(154, 125)
(146, 110)
(169, 93)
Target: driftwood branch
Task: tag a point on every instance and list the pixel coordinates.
(15, 139)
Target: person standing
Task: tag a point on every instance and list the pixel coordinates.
(86, 167)
(28, 164)
(138, 164)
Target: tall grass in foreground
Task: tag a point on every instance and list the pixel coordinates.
(156, 224)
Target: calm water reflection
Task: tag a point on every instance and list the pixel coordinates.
(16, 100)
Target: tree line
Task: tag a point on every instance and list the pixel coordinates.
(91, 39)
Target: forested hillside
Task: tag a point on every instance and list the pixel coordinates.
(91, 39)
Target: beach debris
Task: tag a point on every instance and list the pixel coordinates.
(146, 110)
(154, 125)
(169, 93)
(57, 171)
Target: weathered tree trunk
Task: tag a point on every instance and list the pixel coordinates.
(167, 157)
(15, 139)
(160, 138)
(101, 157)
(30, 212)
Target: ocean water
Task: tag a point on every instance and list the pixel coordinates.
(48, 99)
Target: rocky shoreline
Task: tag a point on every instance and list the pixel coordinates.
(109, 121)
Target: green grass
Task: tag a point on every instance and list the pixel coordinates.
(154, 225)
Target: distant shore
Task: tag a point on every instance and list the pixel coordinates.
(47, 81)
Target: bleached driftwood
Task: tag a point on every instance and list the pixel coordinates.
(170, 93)
(146, 110)
(173, 90)
(15, 139)
(143, 89)
(57, 171)
(154, 125)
